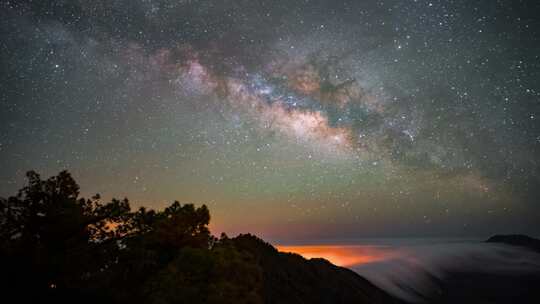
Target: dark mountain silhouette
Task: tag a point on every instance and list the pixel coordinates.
(516, 240)
(289, 278)
(58, 247)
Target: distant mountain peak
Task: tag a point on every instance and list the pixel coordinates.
(516, 240)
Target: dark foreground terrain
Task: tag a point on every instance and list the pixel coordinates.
(289, 278)
(57, 247)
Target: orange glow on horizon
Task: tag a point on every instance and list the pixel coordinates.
(340, 255)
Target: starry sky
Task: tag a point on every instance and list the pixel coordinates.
(297, 119)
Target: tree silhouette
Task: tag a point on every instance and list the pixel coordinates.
(52, 239)
(58, 247)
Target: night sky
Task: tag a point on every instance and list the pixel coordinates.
(289, 119)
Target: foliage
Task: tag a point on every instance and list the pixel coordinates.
(58, 246)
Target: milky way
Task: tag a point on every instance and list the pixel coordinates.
(290, 119)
